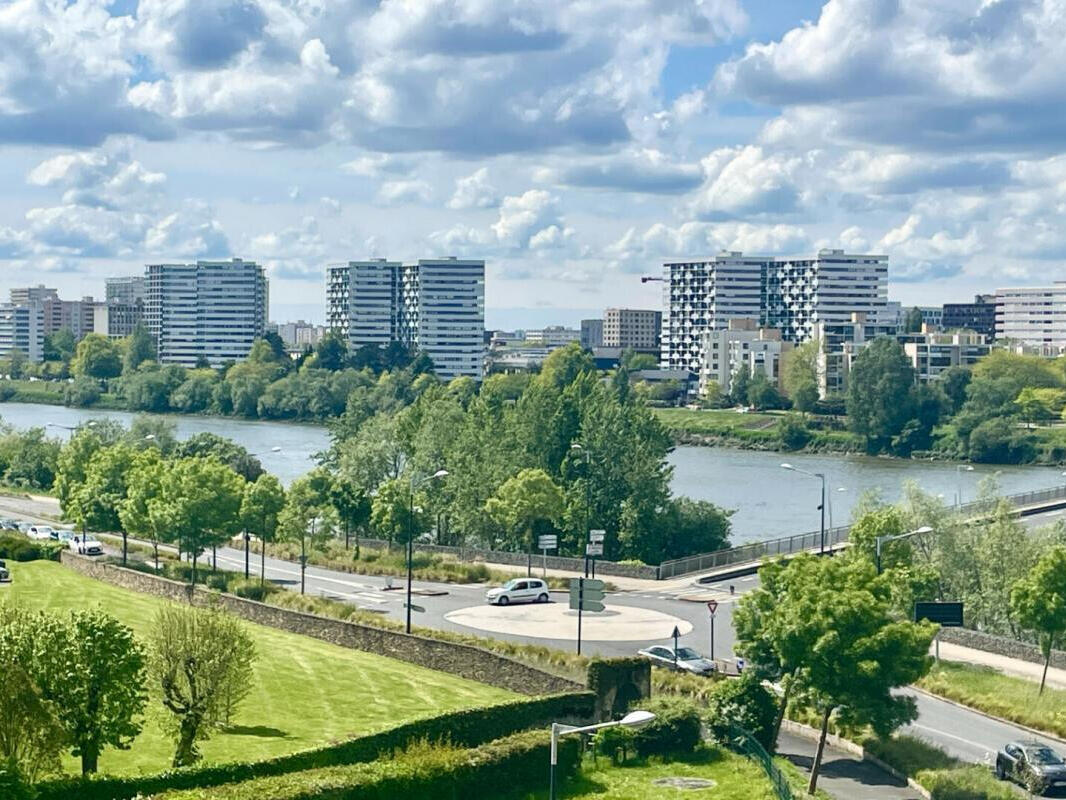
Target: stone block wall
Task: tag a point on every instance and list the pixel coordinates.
(1000, 645)
(465, 661)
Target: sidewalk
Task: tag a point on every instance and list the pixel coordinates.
(843, 776)
(1056, 677)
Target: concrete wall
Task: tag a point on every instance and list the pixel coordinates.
(465, 661)
(1000, 645)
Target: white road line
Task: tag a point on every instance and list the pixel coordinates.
(950, 736)
(296, 572)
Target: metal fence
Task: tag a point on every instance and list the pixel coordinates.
(748, 745)
(801, 542)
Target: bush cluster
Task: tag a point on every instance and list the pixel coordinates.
(743, 703)
(467, 728)
(675, 731)
(19, 548)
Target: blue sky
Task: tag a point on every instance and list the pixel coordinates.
(574, 146)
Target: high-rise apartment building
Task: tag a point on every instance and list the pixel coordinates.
(436, 306)
(209, 311)
(793, 294)
(22, 329)
(591, 333)
(632, 328)
(1033, 315)
(978, 316)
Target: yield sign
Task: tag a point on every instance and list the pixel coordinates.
(712, 606)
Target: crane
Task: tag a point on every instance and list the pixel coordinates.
(647, 278)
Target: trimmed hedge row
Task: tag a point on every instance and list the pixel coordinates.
(467, 728)
(18, 548)
(509, 767)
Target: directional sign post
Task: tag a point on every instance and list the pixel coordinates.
(546, 542)
(677, 635)
(585, 595)
(947, 615)
(413, 607)
(712, 606)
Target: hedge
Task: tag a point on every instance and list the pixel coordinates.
(18, 548)
(467, 728)
(514, 766)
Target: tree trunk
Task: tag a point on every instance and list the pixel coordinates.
(347, 535)
(357, 545)
(194, 568)
(124, 548)
(817, 765)
(155, 550)
(262, 561)
(187, 754)
(781, 711)
(90, 757)
(1043, 677)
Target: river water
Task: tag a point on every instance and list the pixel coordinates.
(769, 500)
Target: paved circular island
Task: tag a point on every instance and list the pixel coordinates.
(557, 621)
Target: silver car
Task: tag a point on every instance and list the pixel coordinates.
(687, 660)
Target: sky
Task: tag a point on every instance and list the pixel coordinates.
(573, 144)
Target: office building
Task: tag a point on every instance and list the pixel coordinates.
(742, 345)
(632, 329)
(1033, 315)
(210, 311)
(25, 295)
(978, 316)
(932, 316)
(22, 329)
(436, 306)
(591, 333)
(932, 352)
(125, 289)
(553, 336)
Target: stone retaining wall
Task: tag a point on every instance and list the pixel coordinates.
(1000, 645)
(465, 661)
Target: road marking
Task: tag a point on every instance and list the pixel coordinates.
(296, 572)
(949, 735)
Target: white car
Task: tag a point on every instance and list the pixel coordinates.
(5, 576)
(87, 546)
(519, 590)
(41, 532)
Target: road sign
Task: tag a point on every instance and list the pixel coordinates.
(548, 541)
(712, 606)
(596, 537)
(413, 607)
(593, 550)
(948, 615)
(586, 595)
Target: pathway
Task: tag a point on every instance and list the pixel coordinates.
(844, 776)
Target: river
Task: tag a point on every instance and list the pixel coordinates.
(769, 501)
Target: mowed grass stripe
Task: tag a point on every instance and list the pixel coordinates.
(307, 693)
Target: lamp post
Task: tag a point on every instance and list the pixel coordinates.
(247, 535)
(821, 477)
(575, 447)
(440, 473)
(881, 540)
(634, 719)
(959, 469)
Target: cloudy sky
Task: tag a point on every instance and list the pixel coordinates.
(573, 144)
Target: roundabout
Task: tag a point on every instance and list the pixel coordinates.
(557, 621)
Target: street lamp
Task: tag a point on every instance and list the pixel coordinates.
(821, 507)
(880, 540)
(248, 536)
(634, 719)
(440, 473)
(959, 469)
(575, 447)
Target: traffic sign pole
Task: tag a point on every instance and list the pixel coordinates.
(580, 605)
(712, 606)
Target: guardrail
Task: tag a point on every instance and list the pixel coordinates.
(800, 542)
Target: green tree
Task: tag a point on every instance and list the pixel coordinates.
(746, 704)
(306, 517)
(263, 501)
(1038, 603)
(16, 364)
(59, 346)
(391, 512)
(72, 463)
(1040, 405)
(98, 357)
(225, 450)
(524, 501)
(684, 526)
(144, 513)
(912, 320)
(96, 504)
(793, 432)
(202, 662)
(738, 387)
(332, 351)
(879, 399)
(762, 394)
(196, 394)
(353, 509)
(633, 361)
(31, 458)
(800, 368)
(954, 381)
(140, 347)
(81, 393)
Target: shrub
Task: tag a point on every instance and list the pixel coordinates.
(744, 703)
(969, 783)
(217, 582)
(909, 755)
(251, 589)
(19, 548)
(793, 432)
(675, 731)
(83, 392)
(616, 743)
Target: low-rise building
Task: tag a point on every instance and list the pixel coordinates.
(932, 352)
(743, 344)
(552, 336)
(632, 329)
(839, 345)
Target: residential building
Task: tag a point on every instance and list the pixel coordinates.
(76, 316)
(298, 335)
(1033, 315)
(436, 306)
(553, 336)
(22, 329)
(840, 344)
(932, 352)
(209, 311)
(591, 333)
(742, 345)
(632, 329)
(978, 316)
(891, 314)
(123, 306)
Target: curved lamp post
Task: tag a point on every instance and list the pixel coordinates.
(821, 477)
(634, 719)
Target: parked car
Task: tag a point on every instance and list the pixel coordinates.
(5, 576)
(9, 524)
(41, 532)
(1032, 764)
(519, 590)
(64, 536)
(688, 660)
(24, 526)
(86, 546)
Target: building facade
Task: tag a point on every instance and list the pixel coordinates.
(978, 316)
(25, 295)
(932, 352)
(1033, 315)
(632, 329)
(742, 345)
(839, 345)
(436, 306)
(591, 333)
(22, 329)
(209, 311)
(552, 336)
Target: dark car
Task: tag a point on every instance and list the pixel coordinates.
(1032, 764)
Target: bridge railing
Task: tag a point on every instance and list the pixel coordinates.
(801, 542)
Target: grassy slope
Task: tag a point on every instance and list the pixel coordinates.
(1004, 696)
(306, 692)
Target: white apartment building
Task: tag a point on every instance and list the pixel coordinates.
(742, 344)
(210, 310)
(632, 328)
(840, 343)
(931, 353)
(436, 306)
(22, 328)
(1033, 315)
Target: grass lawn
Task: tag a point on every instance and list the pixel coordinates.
(713, 420)
(1014, 699)
(735, 777)
(306, 693)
